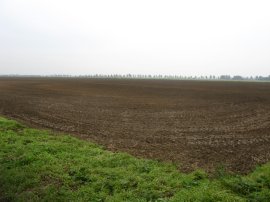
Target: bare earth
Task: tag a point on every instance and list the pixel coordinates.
(191, 123)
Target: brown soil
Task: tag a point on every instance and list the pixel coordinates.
(191, 123)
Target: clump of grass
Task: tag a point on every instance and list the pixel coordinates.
(36, 165)
(9, 125)
(253, 187)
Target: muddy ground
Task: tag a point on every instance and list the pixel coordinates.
(191, 123)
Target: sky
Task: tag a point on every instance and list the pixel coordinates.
(210, 37)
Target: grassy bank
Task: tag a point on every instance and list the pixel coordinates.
(37, 165)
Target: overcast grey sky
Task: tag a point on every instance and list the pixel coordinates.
(189, 37)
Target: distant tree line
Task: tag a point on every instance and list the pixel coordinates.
(149, 76)
(237, 77)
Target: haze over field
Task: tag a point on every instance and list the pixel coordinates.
(138, 37)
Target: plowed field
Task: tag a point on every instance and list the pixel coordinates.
(191, 123)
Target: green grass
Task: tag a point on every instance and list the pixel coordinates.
(37, 165)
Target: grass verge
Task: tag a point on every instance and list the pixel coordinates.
(37, 165)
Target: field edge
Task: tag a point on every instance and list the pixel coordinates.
(40, 165)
